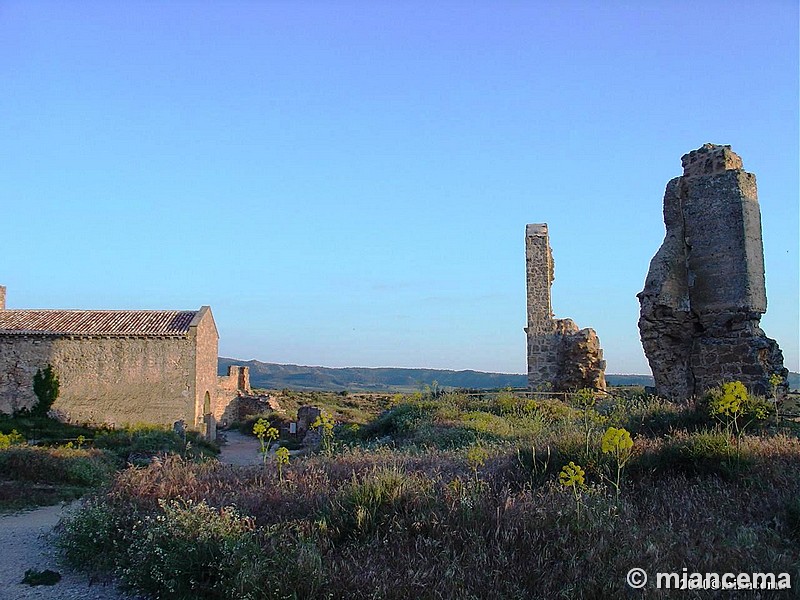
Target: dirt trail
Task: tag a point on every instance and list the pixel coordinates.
(24, 544)
(239, 449)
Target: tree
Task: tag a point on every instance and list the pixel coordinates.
(45, 386)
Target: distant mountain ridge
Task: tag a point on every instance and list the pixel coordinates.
(381, 379)
(394, 379)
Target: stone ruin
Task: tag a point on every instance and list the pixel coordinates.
(704, 293)
(561, 357)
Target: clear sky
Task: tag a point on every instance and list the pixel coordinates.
(348, 183)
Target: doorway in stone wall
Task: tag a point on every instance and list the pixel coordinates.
(208, 419)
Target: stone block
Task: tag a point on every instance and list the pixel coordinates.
(704, 293)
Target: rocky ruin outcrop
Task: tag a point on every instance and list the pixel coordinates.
(561, 357)
(705, 293)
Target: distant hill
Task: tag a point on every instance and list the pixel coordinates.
(794, 381)
(390, 379)
(277, 376)
(642, 380)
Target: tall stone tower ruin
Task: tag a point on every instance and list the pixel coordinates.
(704, 293)
(560, 356)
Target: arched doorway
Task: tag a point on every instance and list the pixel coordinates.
(208, 418)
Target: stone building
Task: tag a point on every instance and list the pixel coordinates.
(705, 293)
(118, 366)
(561, 356)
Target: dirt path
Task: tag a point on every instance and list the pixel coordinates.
(240, 449)
(25, 541)
(24, 545)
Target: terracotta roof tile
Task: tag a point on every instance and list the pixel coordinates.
(96, 322)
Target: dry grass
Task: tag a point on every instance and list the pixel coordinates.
(411, 520)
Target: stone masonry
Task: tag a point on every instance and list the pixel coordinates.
(705, 293)
(561, 357)
(118, 367)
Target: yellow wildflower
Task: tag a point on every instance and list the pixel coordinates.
(572, 475)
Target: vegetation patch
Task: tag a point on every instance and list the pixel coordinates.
(35, 577)
(456, 496)
(85, 458)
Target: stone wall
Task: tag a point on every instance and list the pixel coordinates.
(539, 270)
(705, 290)
(2, 297)
(230, 390)
(561, 356)
(115, 380)
(204, 338)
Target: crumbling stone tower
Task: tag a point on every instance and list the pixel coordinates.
(560, 356)
(704, 293)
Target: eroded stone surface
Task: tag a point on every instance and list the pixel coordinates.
(119, 367)
(705, 293)
(561, 356)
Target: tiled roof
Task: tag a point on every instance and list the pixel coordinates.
(96, 322)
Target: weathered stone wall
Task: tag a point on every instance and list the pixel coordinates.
(2, 297)
(114, 380)
(230, 390)
(204, 338)
(539, 270)
(561, 356)
(705, 292)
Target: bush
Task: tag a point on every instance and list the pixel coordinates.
(96, 537)
(70, 466)
(137, 445)
(399, 421)
(367, 503)
(45, 386)
(11, 439)
(188, 550)
(43, 429)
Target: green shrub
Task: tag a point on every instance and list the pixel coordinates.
(506, 403)
(401, 420)
(698, 453)
(34, 577)
(365, 504)
(72, 466)
(96, 537)
(444, 437)
(553, 411)
(138, 445)
(45, 386)
(43, 429)
(487, 424)
(543, 462)
(11, 439)
(189, 550)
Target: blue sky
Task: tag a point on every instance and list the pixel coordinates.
(348, 183)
